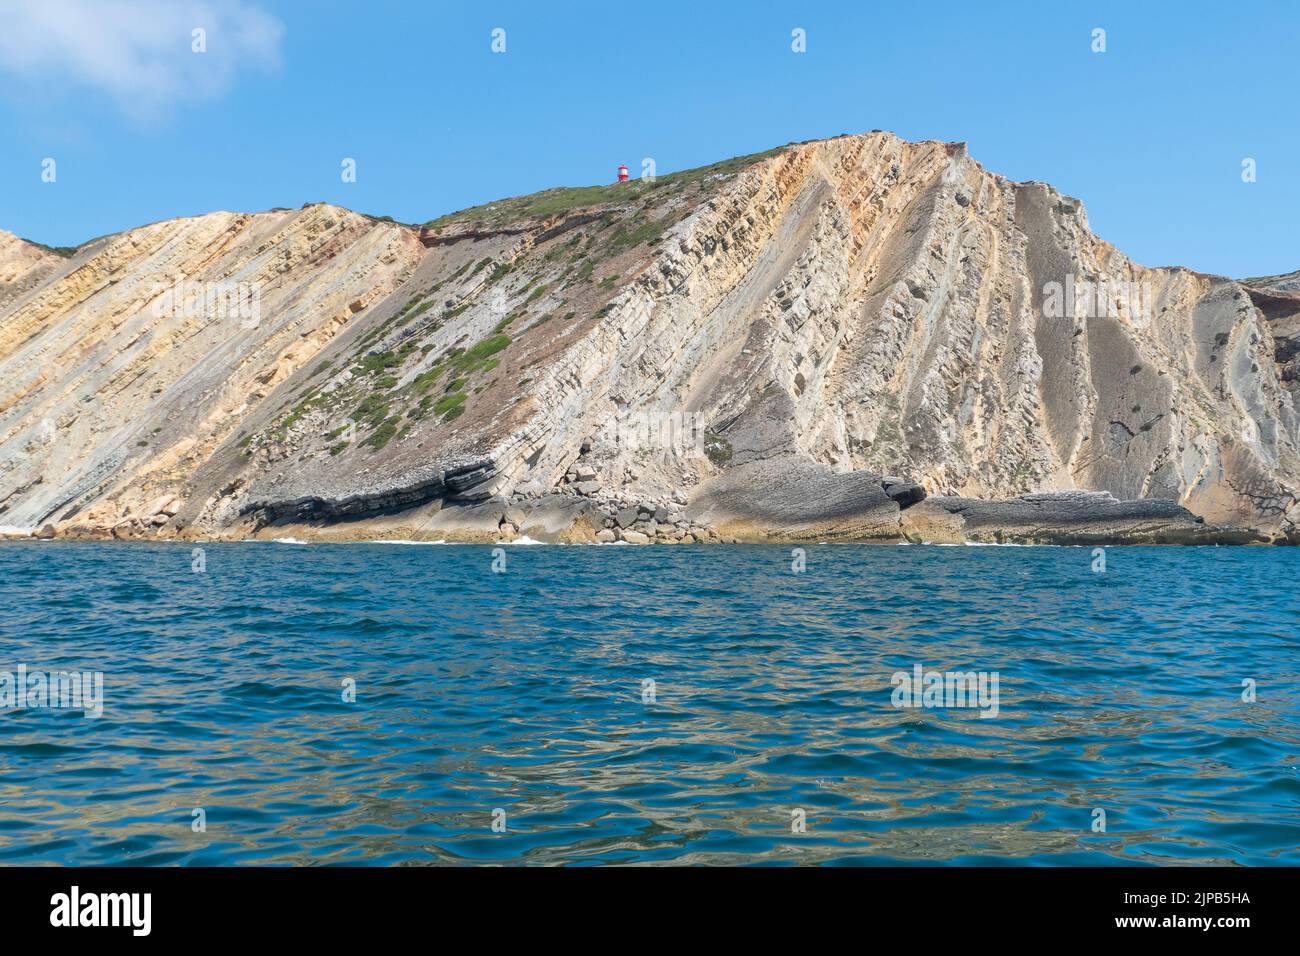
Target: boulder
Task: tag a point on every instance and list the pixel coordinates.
(529, 489)
(558, 518)
(160, 506)
(906, 493)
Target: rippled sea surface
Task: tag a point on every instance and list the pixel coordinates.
(523, 693)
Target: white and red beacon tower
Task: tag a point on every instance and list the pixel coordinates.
(622, 173)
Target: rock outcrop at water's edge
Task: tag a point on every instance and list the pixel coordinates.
(850, 339)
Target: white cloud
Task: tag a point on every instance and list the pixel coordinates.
(137, 52)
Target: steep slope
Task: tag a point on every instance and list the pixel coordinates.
(117, 379)
(23, 266)
(742, 351)
(1278, 298)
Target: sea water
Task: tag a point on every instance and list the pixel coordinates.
(372, 704)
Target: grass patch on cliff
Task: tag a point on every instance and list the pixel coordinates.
(64, 252)
(382, 435)
(376, 362)
(563, 199)
(449, 407)
(647, 232)
(312, 400)
(372, 410)
(455, 368)
(477, 358)
(421, 410)
(426, 380)
(717, 449)
(405, 317)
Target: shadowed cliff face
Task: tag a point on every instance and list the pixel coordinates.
(1278, 297)
(856, 305)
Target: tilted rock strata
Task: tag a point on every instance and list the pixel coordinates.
(814, 319)
(109, 401)
(23, 266)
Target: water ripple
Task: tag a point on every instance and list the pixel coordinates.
(524, 694)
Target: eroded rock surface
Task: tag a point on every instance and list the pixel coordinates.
(857, 338)
(1070, 517)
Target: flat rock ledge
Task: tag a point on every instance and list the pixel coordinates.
(1068, 517)
(558, 518)
(773, 501)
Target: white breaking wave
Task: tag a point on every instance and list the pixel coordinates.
(999, 544)
(994, 544)
(402, 541)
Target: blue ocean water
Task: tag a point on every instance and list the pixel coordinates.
(520, 697)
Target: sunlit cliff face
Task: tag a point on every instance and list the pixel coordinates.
(863, 304)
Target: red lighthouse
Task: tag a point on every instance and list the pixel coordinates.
(622, 173)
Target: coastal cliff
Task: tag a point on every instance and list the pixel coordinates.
(858, 338)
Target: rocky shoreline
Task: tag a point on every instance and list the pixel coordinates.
(852, 508)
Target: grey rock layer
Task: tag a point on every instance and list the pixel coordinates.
(1066, 518)
(801, 500)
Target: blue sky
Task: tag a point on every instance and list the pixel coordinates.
(1150, 134)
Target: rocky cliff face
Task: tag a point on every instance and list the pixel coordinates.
(747, 350)
(1278, 298)
(22, 266)
(118, 376)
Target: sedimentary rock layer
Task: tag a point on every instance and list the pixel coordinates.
(760, 344)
